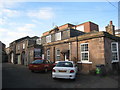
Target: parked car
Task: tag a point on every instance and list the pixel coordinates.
(40, 65)
(64, 69)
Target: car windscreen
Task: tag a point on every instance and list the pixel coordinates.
(37, 62)
(64, 64)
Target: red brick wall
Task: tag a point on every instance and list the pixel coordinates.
(94, 27)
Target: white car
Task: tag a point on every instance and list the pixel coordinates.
(64, 69)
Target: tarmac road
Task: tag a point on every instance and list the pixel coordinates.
(18, 76)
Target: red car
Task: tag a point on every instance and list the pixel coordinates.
(41, 65)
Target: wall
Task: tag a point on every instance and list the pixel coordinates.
(96, 54)
(89, 26)
(53, 48)
(74, 33)
(108, 54)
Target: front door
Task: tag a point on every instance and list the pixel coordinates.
(23, 58)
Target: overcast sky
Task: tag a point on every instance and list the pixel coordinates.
(20, 19)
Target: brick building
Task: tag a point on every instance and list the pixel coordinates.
(3, 55)
(83, 44)
(22, 49)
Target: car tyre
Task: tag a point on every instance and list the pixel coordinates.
(54, 78)
(32, 70)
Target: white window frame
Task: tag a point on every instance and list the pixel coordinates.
(57, 55)
(115, 52)
(48, 38)
(48, 54)
(81, 52)
(38, 41)
(58, 36)
(23, 45)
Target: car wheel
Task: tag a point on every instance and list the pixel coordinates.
(54, 78)
(46, 70)
(32, 70)
(74, 79)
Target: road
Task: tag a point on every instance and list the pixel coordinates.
(18, 76)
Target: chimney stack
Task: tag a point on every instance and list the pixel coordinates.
(110, 28)
(111, 23)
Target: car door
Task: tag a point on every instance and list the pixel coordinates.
(46, 64)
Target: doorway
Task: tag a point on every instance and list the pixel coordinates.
(12, 55)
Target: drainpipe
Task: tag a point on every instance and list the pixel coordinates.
(54, 54)
(77, 47)
(70, 51)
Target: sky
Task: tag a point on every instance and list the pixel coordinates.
(32, 18)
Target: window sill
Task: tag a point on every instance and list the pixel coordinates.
(84, 62)
(115, 61)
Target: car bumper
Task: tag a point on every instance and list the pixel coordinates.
(64, 75)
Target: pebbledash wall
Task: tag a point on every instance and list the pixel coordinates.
(87, 50)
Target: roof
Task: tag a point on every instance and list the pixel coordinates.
(26, 37)
(85, 37)
(86, 22)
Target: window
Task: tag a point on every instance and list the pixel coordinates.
(114, 49)
(58, 36)
(57, 55)
(37, 53)
(23, 45)
(64, 64)
(38, 41)
(84, 52)
(18, 47)
(48, 54)
(37, 62)
(48, 38)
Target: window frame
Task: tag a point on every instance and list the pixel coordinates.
(57, 55)
(48, 38)
(23, 45)
(48, 55)
(38, 41)
(18, 47)
(117, 51)
(56, 36)
(81, 52)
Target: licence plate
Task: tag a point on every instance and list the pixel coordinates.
(62, 70)
(35, 66)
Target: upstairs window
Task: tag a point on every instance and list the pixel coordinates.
(48, 38)
(114, 50)
(18, 47)
(84, 52)
(38, 41)
(58, 36)
(23, 45)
